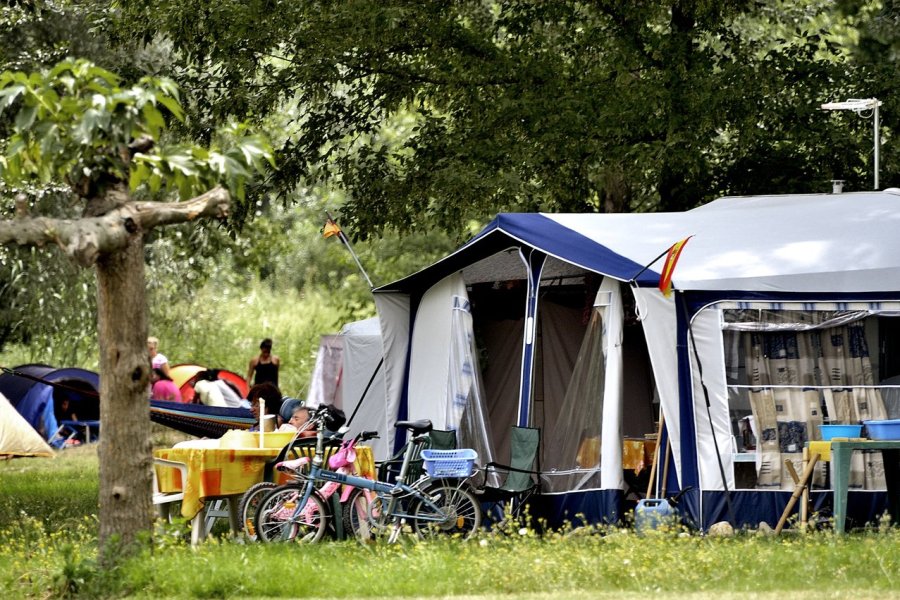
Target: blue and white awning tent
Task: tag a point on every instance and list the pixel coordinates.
(572, 335)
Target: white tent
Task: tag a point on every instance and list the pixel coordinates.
(349, 373)
(17, 437)
(546, 292)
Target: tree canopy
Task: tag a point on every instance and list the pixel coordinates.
(430, 114)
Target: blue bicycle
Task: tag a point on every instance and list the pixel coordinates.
(440, 502)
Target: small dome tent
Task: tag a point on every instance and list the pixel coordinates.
(42, 394)
(186, 375)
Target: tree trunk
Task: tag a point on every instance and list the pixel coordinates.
(125, 453)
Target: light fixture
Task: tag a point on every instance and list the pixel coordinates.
(859, 106)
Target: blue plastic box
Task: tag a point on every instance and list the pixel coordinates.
(883, 430)
(832, 431)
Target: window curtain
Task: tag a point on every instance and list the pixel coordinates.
(844, 362)
(786, 418)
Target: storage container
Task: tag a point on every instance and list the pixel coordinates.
(883, 430)
(654, 513)
(843, 431)
(449, 463)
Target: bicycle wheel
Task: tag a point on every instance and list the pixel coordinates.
(275, 520)
(249, 503)
(364, 519)
(459, 513)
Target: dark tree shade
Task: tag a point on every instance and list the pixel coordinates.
(433, 113)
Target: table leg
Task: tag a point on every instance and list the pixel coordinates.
(234, 516)
(198, 527)
(841, 461)
(891, 459)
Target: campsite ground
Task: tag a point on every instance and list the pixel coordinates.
(48, 549)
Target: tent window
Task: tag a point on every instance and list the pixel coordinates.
(790, 371)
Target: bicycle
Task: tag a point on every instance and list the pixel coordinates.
(438, 502)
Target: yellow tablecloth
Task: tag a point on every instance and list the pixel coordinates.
(216, 472)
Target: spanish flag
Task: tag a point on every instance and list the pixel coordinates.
(665, 278)
(331, 228)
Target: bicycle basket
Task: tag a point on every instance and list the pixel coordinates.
(449, 463)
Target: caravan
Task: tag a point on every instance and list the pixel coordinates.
(784, 315)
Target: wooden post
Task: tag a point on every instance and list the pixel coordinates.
(662, 422)
(798, 490)
(804, 502)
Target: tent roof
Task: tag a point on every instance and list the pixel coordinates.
(788, 243)
(368, 326)
(14, 386)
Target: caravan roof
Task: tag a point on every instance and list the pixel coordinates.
(789, 243)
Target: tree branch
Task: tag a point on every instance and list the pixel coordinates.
(85, 239)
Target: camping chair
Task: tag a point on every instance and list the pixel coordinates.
(162, 500)
(69, 432)
(519, 484)
(437, 440)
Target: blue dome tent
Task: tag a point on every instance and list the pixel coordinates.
(45, 395)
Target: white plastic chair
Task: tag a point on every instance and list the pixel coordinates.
(163, 500)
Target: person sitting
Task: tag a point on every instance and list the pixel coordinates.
(213, 391)
(297, 416)
(163, 388)
(272, 399)
(209, 393)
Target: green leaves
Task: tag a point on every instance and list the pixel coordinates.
(75, 123)
(190, 170)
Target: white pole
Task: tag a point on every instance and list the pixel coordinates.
(877, 139)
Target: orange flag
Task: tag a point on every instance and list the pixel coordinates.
(665, 278)
(331, 228)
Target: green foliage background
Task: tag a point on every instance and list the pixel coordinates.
(214, 294)
(424, 118)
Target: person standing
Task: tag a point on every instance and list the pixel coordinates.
(157, 360)
(264, 368)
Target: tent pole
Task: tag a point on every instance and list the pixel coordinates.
(712, 429)
(346, 241)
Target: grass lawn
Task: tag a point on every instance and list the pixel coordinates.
(48, 549)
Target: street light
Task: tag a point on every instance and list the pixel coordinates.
(860, 105)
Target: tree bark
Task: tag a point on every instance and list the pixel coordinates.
(125, 453)
(112, 239)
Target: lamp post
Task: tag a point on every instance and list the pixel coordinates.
(860, 105)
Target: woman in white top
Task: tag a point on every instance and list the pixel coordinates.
(157, 360)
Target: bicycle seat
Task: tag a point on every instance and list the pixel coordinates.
(417, 427)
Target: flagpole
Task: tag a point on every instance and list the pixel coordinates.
(650, 264)
(346, 242)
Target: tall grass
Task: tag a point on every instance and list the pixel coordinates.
(222, 328)
(48, 549)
